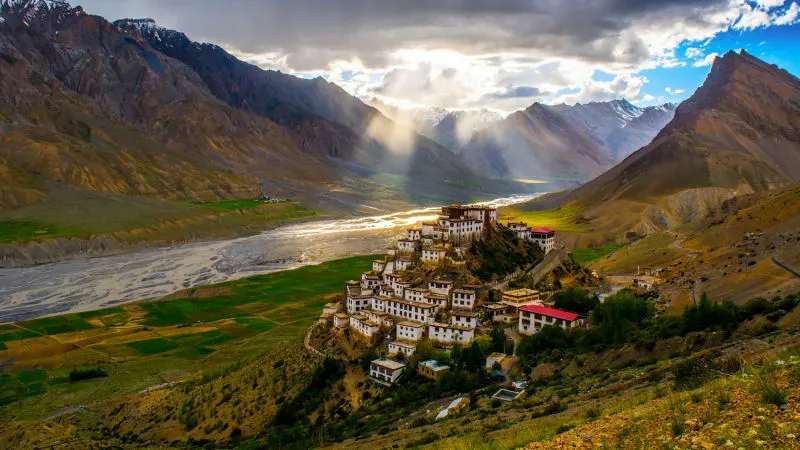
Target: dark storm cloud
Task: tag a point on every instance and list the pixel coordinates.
(315, 32)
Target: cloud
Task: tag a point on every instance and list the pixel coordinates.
(766, 13)
(671, 91)
(693, 52)
(625, 86)
(459, 53)
(707, 61)
(519, 91)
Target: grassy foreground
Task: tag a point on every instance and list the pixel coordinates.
(197, 331)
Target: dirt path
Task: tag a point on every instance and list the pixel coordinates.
(784, 266)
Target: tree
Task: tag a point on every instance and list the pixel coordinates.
(575, 299)
(498, 336)
(425, 350)
(616, 317)
(474, 358)
(366, 358)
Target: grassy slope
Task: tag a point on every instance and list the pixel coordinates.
(72, 212)
(197, 331)
(588, 255)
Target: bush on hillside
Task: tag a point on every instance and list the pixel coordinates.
(87, 374)
(575, 299)
(502, 253)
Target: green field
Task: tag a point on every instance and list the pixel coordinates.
(204, 330)
(587, 255)
(562, 219)
(74, 212)
(233, 205)
(23, 230)
(153, 346)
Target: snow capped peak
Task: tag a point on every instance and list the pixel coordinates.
(144, 24)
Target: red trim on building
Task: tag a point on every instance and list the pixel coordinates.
(550, 312)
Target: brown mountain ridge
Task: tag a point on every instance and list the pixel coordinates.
(738, 133)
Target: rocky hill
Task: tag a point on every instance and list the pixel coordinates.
(131, 108)
(738, 134)
(322, 118)
(575, 142)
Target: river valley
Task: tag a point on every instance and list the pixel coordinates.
(94, 283)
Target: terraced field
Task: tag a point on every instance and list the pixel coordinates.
(195, 332)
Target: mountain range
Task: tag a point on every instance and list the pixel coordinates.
(739, 133)
(131, 108)
(575, 142)
(450, 128)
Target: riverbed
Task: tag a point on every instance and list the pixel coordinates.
(89, 284)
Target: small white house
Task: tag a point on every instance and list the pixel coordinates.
(362, 325)
(495, 358)
(403, 263)
(341, 320)
(410, 331)
(331, 308)
(440, 287)
(400, 288)
(415, 294)
(545, 237)
(386, 371)
(370, 280)
(463, 299)
(414, 234)
(463, 318)
(378, 265)
(433, 255)
(380, 317)
(405, 245)
(534, 317)
(398, 347)
(520, 229)
(436, 299)
(448, 334)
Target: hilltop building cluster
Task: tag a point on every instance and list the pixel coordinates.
(544, 236)
(385, 301)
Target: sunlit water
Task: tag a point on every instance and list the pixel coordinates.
(88, 284)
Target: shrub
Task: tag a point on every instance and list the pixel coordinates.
(723, 398)
(678, 427)
(86, 374)
(496, 402)
(593, 413)
(771, 392)
(564, 427)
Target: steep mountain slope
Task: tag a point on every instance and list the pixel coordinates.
(451, 129)
(323, 118)
(83, 104)
(739, 133)
(564, 141)
(457, 127)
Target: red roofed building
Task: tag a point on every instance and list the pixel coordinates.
(534, 317)
(545, 237)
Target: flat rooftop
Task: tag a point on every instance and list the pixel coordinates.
(434, 365)
(388, 363)
(521, 292)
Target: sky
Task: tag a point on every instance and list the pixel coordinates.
(502, 55)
